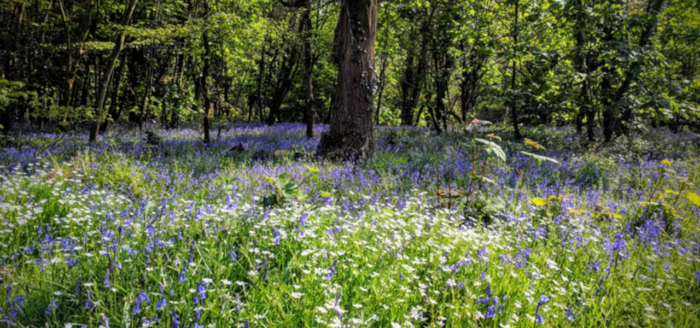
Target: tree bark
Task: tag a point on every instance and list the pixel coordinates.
(205, 72)
(112, 112)
(308, 69)
(351, 133)
(106, 76)
(513, 100)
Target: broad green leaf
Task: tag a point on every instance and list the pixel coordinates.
(493, 148)
(539, 158)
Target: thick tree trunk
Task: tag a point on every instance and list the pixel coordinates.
(351, 133)
(104, 80)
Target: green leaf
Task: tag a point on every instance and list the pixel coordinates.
(493, 148)
(539, 158)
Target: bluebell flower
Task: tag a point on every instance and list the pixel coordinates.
(539, 319)
(490, 312)
(53, 306)
(303, 219)
(201, 291)
(106, 281)
(143, 297)
(175, 322)
(88, 303)
(71, 262)
(595, 266)
(181, 276)
(233, 255)
(162, 303)
(569, 314)
(105, 321)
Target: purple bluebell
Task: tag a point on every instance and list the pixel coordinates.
(175, 320)
(201, 290)
(162, 303)
(539, 319)
(53, 306)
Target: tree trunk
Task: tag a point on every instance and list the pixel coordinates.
(612, 98)
(258, 100)
(382, 76)
(147, 91)
(407, 84)
(413, 77)
(179, 78)
(112, 112)
(442, 83)
(104, 80)
(205, 72)
(582, 66)
(308, 69)
(514, 100)
(285, 77)
(350, 134)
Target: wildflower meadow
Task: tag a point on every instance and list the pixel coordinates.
(462, 229)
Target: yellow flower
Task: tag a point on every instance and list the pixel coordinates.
(538, 201)
(694, 198)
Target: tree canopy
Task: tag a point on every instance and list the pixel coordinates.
(602, 65)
